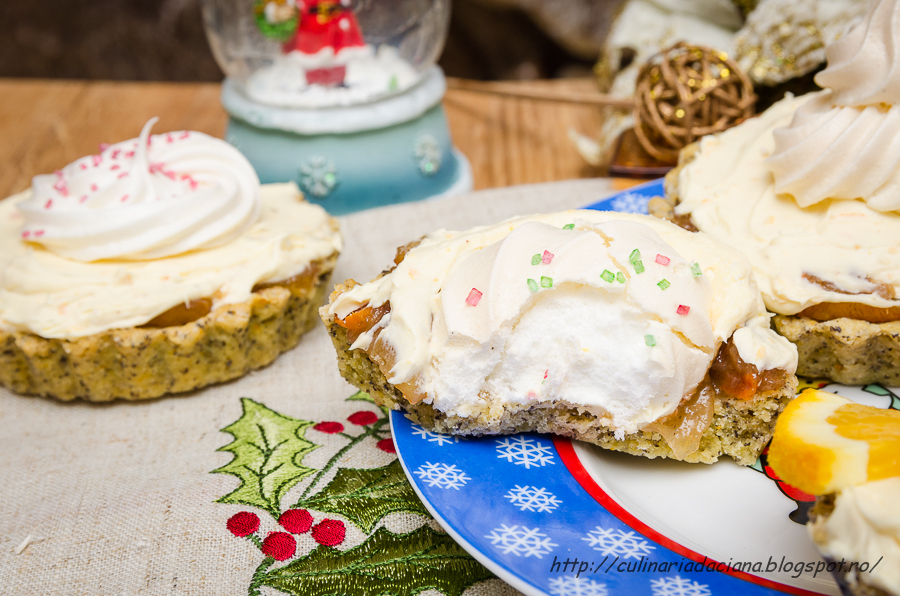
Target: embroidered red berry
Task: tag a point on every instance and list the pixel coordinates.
(387, 445)
(279, 545)
(362, 418)
(243, 523)
(329, 427)
(329, 532)
(296, 521)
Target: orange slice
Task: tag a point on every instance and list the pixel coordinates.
(824, 443)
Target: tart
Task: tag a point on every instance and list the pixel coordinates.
(810, 192)
(158, 266)
(617, 329)
(846, 453)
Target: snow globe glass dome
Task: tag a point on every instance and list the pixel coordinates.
(340, 96)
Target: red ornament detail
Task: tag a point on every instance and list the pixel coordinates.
(662, 260)
(329, 532)
(329, 427)
(547, 257)
(363, 418)
(683, 310)
(387, 445)
(474, 297)
(296, 521)
(281, 546)
(327, 77)
(791, 491)
(243, 523)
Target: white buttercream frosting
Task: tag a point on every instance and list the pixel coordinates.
(865, 528)
(528, 311)
(729, 191)
(845, 142)
(147, 198)
(53, 296)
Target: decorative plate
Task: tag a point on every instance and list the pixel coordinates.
(556, 517)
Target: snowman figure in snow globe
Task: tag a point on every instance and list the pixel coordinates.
(340, 96)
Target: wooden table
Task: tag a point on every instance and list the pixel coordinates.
(45, 124)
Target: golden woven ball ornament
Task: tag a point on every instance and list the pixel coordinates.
(686, 92)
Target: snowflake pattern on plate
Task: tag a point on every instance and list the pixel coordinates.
(630, 202)
(678, 586)
(524, 451)
(569, 585)
(442, 475)
(618, 543)
(532, 498)
(433, 437)
(521, 541)
(428, 154)
(318, 176)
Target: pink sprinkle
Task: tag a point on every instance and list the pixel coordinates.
(115, 167)
(683, 310)
(26, 234)
(83, 199)
(104, 147)
(94, 187)
(184, 135)
(59, 173)
(531, 395)
(123, 174)
(115, 153)
(474, 297)
(96, 159)
(169, 138)
(48, 204)
(662, 260)
(124, 198)
(84, 166)
(39, 232)
(129, 154)
(546, 372)
(548, 256)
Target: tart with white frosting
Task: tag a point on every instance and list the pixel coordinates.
(810, 192)
(159, 265)
(622, 330)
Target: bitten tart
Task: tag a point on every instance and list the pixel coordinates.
(617, 329)
(159, 265)
(810, 192)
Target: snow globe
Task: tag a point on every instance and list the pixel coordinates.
(340, 96)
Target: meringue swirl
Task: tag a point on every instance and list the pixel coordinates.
(845, 142)
(143, 199)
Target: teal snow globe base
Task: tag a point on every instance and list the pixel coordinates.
(353, 157)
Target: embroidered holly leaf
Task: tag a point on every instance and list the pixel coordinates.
(386, 563)
(363, 396)
(268, 452)
(366, 496)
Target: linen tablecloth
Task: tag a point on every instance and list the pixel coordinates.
(119, 498)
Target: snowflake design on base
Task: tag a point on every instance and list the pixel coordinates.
(678, 586)
(618, 543)
(532, 498)
(569, 585)
(318, 176)
(521, 541)
(630, 202)
(433, 437)
(524, 451)
(441, 475)
(428, 154)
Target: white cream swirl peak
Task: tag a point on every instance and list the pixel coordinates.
(617, 317)
(158, 265)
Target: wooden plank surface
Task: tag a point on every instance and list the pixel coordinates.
(45, 124)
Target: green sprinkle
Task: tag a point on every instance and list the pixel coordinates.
(663, 284)
(570, 226)
(650, 340)
(546, 282)
(635, 256)
(532, 285)
(695, 269)
(535, 259)
(608, 276)
(638, 267)
(621, 277)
